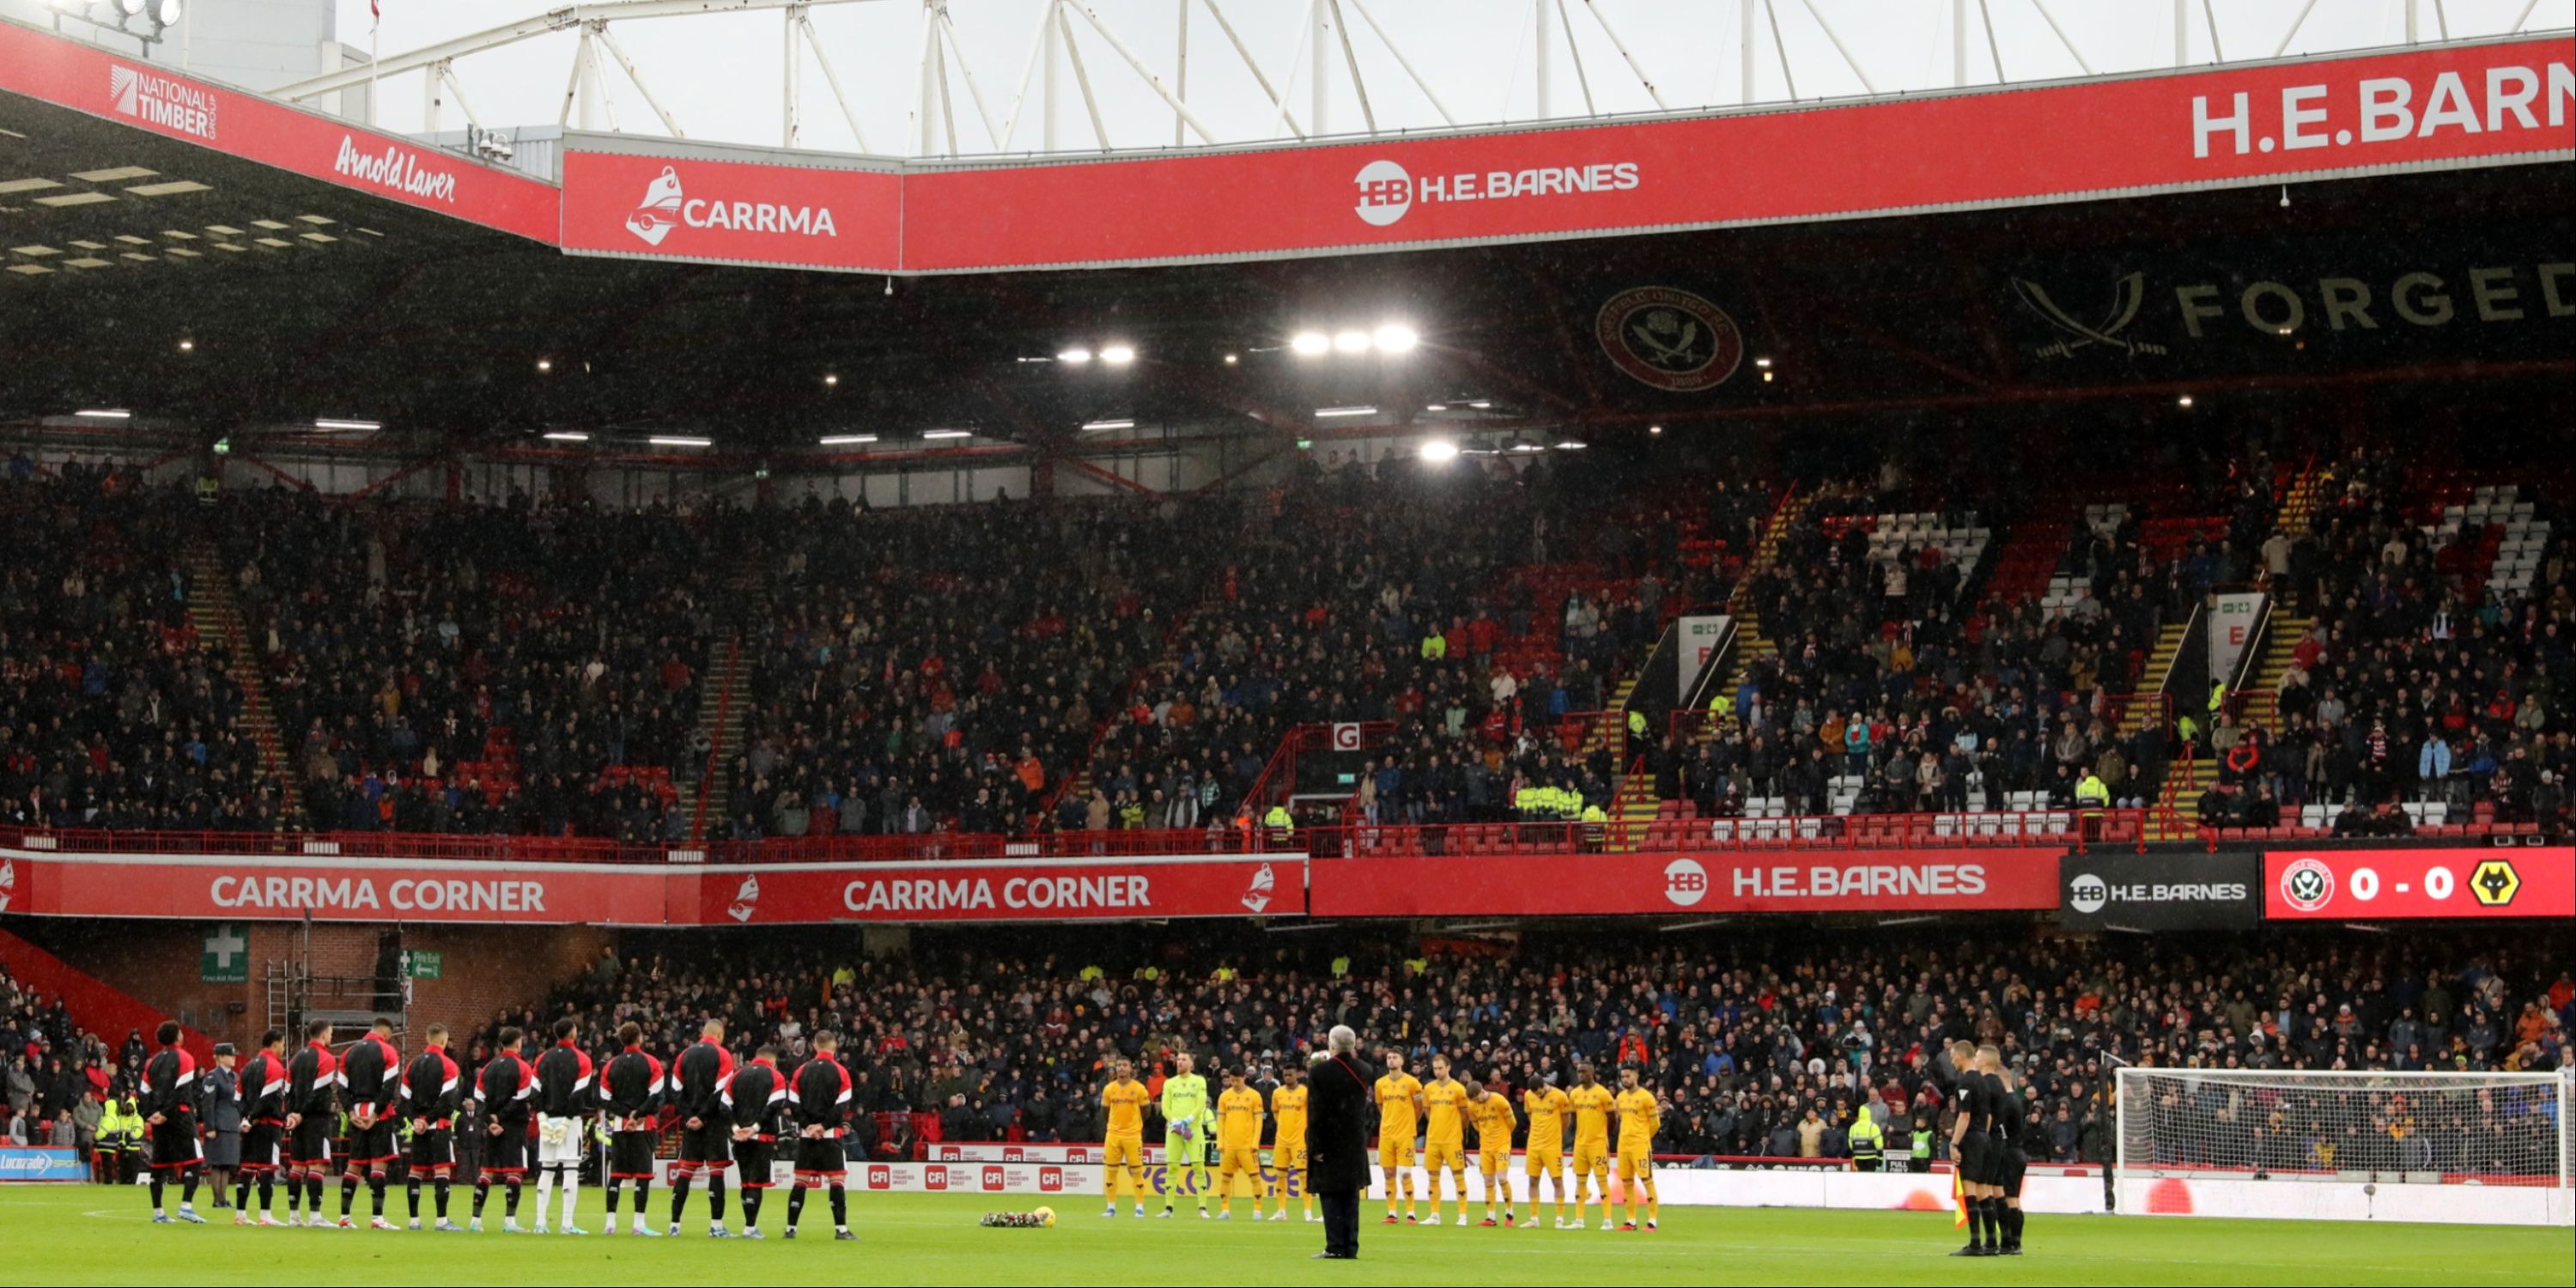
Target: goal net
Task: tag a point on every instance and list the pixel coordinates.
(2377, 1129)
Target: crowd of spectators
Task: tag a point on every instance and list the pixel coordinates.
(113, 712)
(2413, 682)
(476, 667)
(55, 1077)
(1767, 1045)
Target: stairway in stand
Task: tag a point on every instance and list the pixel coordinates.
(723, 701)
(218, 620)
(1750, 646)
(1610, 728)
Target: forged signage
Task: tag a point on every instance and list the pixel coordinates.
(2402, 883)
(2105, 891)
(2151, 316)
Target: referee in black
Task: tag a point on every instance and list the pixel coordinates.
(1337, 1123)
(1972, 1147)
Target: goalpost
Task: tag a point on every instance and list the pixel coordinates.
(2337, 1145)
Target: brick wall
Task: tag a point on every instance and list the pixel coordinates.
(482, 968)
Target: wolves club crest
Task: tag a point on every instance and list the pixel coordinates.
(1669, 338)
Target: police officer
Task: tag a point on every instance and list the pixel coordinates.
(219, 1117)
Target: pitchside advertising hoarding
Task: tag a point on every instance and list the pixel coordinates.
(42, 1164)
(2106, 891)
(260, 888)
(254, 127)
(2403, 883)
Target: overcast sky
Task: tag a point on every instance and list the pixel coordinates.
(719, 76)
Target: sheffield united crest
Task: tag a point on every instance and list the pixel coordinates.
(1669, 338)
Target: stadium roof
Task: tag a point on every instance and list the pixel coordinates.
(308, 294)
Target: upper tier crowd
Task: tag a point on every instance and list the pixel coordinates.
(1767, 1046)
(537, 668)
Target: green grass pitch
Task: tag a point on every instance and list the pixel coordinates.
(94, 1235)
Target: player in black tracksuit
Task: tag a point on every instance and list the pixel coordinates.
(371, 1074)
(755, 1103)
(506, 1085)
(706, 1140)
(312, 1105)
(432, 1091)
(169, 1106)
(630, 1089)
(263, 1085)
(818, 1102)
(2012, 1131)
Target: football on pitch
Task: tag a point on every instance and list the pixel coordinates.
(1046, 1216)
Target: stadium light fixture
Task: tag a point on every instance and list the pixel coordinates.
(1345, 411)
(1077, 355)
(130, 8)
(1439, 449)
(1310, 344)
(1764, 363)
(1395, 337)
(567, 436)
(2184, 401)
(830, 379)
(845, 440)
(1766, 377)
(1481, 405)
(676, 440)
(1231, 359)
(948, 433)
(1654, 429)
(1118, 355)
(1352, 342)
(1571, 445)
(545, 365)
(1529, 447)
(1119, 423)
(104, 413)
(358, 426)
(187, 346)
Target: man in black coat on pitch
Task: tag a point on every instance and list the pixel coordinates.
(1337, 1128)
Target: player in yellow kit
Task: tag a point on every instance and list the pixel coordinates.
(1592, 1105)
(1494, 1118)
(1399, 1107)
(1547, 1107)
(1123, 1144)
(1238, 1144)
(1288, 1150)
(1640, 1113)
(1444, 1143)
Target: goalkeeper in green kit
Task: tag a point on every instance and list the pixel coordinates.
(1185, 1132)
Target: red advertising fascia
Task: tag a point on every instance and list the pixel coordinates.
(149, 96)
(694, 208)
(2407, 884)
(2107, 137)
(1108, 889)
(257, 888)
(285, 889)
(1609, 885)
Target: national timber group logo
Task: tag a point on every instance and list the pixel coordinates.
(1669, 338)
(172, 104)
(2307, 885)
(2127, 295)
(659, 213)
(125, 85)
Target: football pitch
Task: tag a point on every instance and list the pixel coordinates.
(95, 1235)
